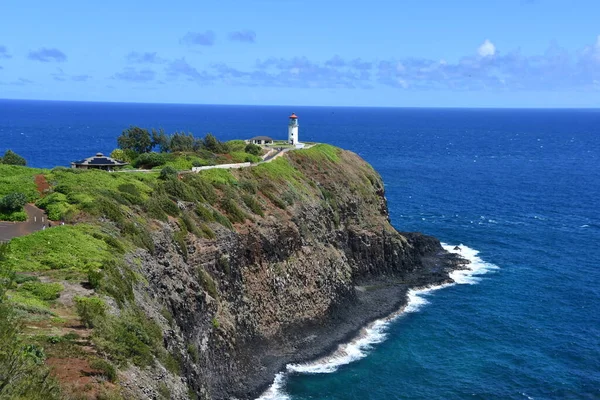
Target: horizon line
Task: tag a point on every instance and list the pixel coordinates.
(301, 105)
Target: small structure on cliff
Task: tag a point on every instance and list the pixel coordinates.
(261, 140)
(99, 161)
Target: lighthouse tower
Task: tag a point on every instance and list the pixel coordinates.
(293, 130)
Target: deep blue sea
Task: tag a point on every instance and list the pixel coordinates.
(521, 187)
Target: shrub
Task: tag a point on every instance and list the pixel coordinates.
(190, 224)
(20, 278)
(207, 283)
(179, 238)
(234, 213)
(254, 149)
(164, 391)
(167, 173)
(252, 204)
(193, 352)
(13, 202)
(204, 188)
(223, 220)
(107, 369)
(207, 232)
(12, 158)
(43, 291)
(91, 310)
(149, 160)
(249, 186)
(14, 216)
(130, 337)
(204, 213)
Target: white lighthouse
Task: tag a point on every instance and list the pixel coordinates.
(293, 130)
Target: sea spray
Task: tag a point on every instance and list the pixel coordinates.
(375, 332)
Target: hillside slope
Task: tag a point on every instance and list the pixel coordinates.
(208, 284)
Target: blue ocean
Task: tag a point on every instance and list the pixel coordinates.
(518, 190)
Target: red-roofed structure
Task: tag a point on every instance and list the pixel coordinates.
(293, 116)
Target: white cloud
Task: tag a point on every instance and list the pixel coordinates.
(487, 49)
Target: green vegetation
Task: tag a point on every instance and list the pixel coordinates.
(135, 139)
(91, 310)
(43, 291)
(108, 370)
(12, 158)
(15, 179)
(322, 152)
(22, 372)
(252, 204)
(130, 337)
(62, 247)
(254, 149)
(207, 283)
(111, 216)
(167, 173)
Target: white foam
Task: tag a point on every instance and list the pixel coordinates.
(275, 391)
(375, 332)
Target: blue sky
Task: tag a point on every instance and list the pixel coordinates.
(425, 53)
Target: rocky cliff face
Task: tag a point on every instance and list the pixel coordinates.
(280, 288)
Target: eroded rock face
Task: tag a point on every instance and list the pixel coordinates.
(287, 286)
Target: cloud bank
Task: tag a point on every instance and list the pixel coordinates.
(198, 38)
(486, 68)
(245, 36)
(135, 57)
(47, 55)
(4, 52)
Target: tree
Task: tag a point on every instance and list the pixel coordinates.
(13, 202)
(160, 139)
(123, 155)
(12, 158)
(136, 139)
(212, 144)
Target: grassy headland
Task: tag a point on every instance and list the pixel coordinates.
(110, 215)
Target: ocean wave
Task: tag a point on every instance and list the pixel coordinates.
(375, 332)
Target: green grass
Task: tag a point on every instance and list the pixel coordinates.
(279, 170)
(218, 176)
(28, 302)
(242, 156)
(61, 247)
(19, 179)
(321, 152)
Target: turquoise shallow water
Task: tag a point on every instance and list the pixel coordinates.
(519, 186)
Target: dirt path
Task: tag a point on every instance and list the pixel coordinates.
(42, 184)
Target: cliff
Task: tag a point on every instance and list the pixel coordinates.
(206, 285)
(287, 286)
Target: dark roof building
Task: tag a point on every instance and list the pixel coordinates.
(99, 161)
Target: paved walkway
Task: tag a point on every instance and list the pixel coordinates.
(36, 220)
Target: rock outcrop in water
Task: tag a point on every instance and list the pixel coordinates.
(286, 287)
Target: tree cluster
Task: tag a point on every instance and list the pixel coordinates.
(12, 158)
(139, 141)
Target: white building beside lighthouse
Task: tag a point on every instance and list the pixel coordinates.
(293, 130)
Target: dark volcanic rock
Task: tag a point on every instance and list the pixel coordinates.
(290, 285)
